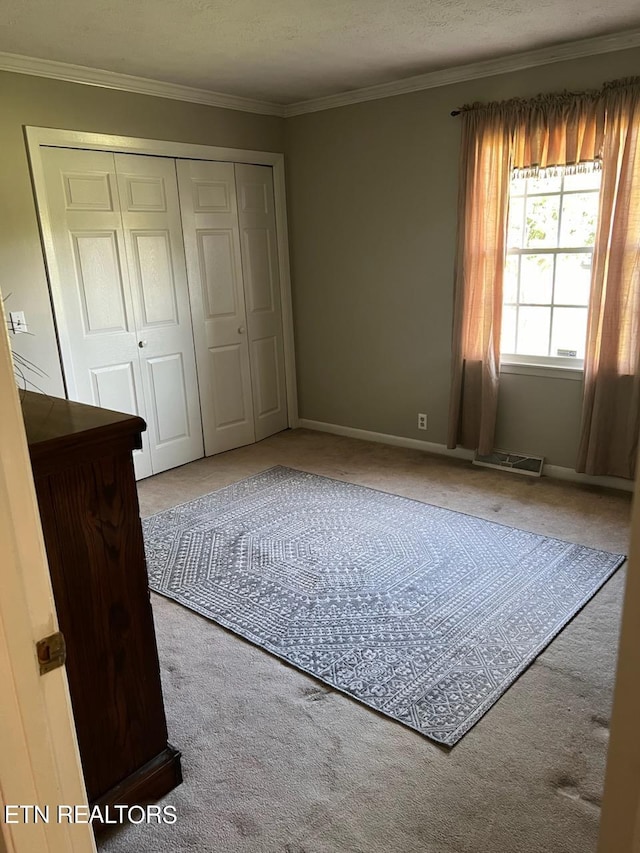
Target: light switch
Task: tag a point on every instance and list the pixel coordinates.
(17, 322)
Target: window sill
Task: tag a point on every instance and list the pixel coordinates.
(555, 372)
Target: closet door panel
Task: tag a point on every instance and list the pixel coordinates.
(170, 406)
(214, 263)
(229, 367)
(259, 271)
(87, 264)
(153, 238)
(267, 381)
(99, 279)
(219, 274)
(154, 270)
(114, 386)
(256, 217)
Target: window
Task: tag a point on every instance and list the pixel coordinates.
(551, 233)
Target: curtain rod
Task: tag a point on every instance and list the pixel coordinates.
(611, 84)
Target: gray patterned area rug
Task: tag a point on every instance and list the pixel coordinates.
(425, 614)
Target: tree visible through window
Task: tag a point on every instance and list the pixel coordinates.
(551, 233)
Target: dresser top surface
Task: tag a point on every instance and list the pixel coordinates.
(53, 420)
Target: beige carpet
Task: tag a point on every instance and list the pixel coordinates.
(274, 761)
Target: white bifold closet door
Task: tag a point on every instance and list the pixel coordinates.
(229, 226)
(121, 297)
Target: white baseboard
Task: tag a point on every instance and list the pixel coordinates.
(560, 473)
(384, 438)
(557, 472)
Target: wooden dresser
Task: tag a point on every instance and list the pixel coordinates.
(84, 478)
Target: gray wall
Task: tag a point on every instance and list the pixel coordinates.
(372, 204)
(372, 191)
(36, 101)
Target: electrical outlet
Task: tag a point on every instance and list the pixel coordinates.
(17, 322)
(422, 421)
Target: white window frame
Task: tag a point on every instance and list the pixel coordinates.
(563, 367)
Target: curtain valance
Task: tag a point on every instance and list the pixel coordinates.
(553, 130)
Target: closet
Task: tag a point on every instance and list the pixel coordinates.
(166, 293)
(230, 240)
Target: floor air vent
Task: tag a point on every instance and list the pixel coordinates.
(529, 465)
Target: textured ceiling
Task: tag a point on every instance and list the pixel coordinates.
(293, 50)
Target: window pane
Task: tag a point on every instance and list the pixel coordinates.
(586, 181)
(573, 278)
(569, 330)
(533, 331)
(544, 185)
(548, 218)
(542, 221)
(510, 284)
(508, 338)
(536, 279)
(516, 217)
(517, 186)
(579, 217)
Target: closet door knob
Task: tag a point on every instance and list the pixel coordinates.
(142, 344)
(241, 330)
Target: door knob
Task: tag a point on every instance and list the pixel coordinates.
(142, 344)
(241, 330)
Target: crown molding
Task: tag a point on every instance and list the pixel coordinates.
(445, 77)
(472, 71)
(128, 83)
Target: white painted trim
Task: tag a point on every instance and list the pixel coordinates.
(39, 137)
(521, 369)
(620, 817)
(384, 438)
(128, 83)
(472, 71)
(39, 758)
(50, 136)
(458, 74)
(557, 472)
(282, 236)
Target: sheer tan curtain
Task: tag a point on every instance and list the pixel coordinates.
(482, 219)
(528, 135)
(611, 409)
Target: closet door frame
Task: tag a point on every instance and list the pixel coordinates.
(44, 137)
